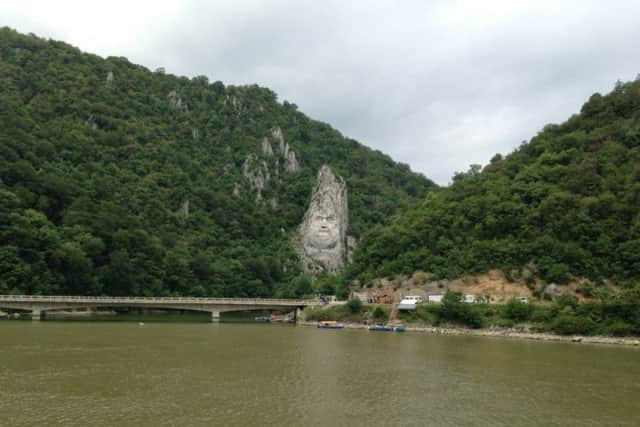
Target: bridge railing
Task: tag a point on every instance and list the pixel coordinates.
(170, 300)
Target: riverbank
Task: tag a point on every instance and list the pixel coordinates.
(504, 333)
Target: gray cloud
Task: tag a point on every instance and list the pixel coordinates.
(438, 85)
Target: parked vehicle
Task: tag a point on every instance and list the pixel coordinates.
(437, 299)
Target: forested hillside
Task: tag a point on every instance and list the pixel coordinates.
(118, 180)
(565, 204)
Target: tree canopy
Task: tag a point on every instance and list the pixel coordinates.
(118, 180)
(565, 204)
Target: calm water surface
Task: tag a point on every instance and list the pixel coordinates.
(182, 374)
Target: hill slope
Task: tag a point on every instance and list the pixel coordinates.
(565, 204)
(117, 180)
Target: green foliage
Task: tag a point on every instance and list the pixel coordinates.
(354, 305)
(565, 204)
(379, 314)
(96, 176)
(618, 316)
(454, 310)
(567, 324)
(517, 311)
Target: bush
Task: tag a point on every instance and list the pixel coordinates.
(541, 314)
(567, 324)
(619, 329)
(354, 305)
(566, 300)
(380, 314)
(453, 309)
(518, 311)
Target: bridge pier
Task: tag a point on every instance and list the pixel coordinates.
(215, 317)
(37, 314)
(298, 315)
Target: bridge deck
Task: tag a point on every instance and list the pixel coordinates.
(156, 300)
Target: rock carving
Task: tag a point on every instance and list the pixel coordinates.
(323, 244)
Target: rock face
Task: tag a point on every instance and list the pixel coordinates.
(267, 150)
(257, 173)
(176, 102)
(291, 163)
(323, 233)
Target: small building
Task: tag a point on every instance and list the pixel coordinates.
(469, 299)
(383, 299)
(364, 297)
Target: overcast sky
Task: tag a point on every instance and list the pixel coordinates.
(435, 84)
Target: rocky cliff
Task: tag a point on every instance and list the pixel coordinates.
(323, 233)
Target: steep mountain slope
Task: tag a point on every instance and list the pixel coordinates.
(565, 204)
(118, 180)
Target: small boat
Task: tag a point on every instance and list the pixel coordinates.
(3, 315)
(380, 328)
(263, 319)
(383, 328)
(330, 324)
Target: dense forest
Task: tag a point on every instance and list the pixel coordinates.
(116, 180)
(564, 205)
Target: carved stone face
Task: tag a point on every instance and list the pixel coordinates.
(324, 229)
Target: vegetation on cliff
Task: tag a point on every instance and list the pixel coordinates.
(121, 181)
(566, 204)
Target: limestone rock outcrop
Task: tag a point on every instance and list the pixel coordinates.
(256, 165)
(291, 163)
(176, 101)
(324, 245)
(257, 173)
(267, 150)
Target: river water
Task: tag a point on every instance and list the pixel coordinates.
(183, 374)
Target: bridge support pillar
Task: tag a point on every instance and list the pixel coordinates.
(37, 314)
(298, 315)
(215, 316)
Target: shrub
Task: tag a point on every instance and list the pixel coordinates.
(619, 329)
(453, 309)
(354, 305)
(541, 314)
(566, 300)
(567, 324)
(380, 313)
(517, 311)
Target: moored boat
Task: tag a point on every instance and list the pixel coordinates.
(330, 324)
(386, 328)
(380, 328)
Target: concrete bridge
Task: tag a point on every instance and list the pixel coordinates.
(38, 305)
